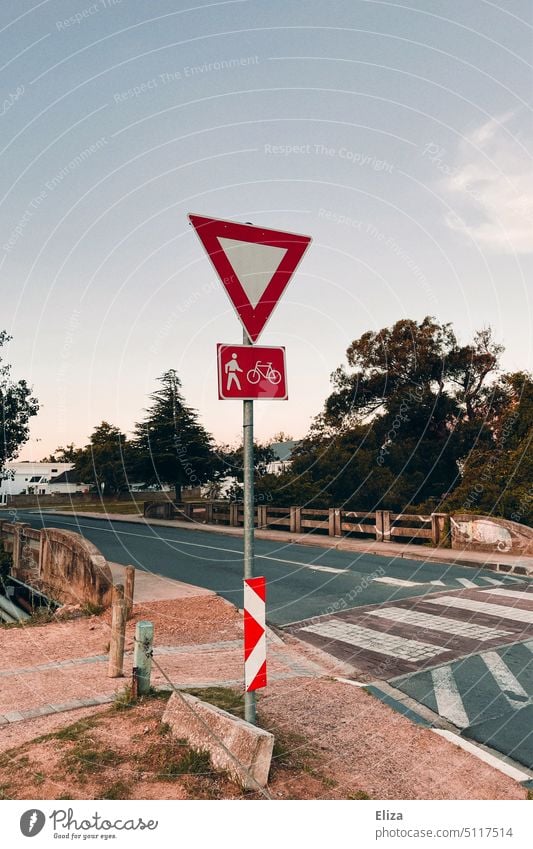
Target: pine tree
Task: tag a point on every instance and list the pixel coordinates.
(170, 445)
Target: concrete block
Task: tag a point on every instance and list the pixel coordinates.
(252, 746)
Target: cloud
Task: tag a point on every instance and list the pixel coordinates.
(490, 185)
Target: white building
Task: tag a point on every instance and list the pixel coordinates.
(39, 479)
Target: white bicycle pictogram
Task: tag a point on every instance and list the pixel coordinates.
(263, 371)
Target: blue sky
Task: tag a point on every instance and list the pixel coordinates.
(397, 135)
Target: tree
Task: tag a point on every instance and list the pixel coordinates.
(103, 463)
(232, 459)
(401, 418)
(17, 406)
(67, 454)
(170, 445)
(497, 473)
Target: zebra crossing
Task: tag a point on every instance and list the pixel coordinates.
(488, 696)
(451, 582)
(404, 635)
(466, 655)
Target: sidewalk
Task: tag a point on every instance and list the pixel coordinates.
(54, 674)
(499, 562)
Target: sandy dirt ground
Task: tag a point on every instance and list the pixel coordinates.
(337, 741)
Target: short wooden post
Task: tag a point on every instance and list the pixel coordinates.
(379, 525)
(142, 656)
(233, 514)
(386, 526)
(331, 522)
(439, 531)
(209, 513)
(118, 633)
(129, 589)
(262, 520)
(296, 520)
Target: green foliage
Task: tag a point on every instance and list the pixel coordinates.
(170, 444)
(497, 474)
(411, 424)
(17, 406)
(103, 462)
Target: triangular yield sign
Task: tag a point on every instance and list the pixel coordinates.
(254, 265)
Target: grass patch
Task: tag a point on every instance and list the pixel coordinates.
(117, 790)
(128, 507)
(223, 697)
(87, 757)
(90, 609)
(359, 794)
(291, 752)
(70, 732)
(191, 762)
(124, 699)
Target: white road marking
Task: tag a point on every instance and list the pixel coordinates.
(492, 581)
(449, 701)
(505, 679)
(484, 756)
(499, 610)
(467, 583)
(437, 583)
(376, 641)
(510, 593)
(219, 548)
(439, 623)
(398, 582)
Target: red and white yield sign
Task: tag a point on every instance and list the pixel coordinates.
(255, 666)
(248, 372)
(253, 263)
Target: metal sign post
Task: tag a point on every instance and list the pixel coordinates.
(254, 265)
(249, 512)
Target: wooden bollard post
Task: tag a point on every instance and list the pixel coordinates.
(129, 588)
(118, 633)
(142, 656)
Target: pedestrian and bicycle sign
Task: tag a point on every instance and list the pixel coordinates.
(253, 263)
(255, 266)
(250, 372)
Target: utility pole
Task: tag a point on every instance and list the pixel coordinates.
(249, 512)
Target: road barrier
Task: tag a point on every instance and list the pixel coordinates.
(382, 525)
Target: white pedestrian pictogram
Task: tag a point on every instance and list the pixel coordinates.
(265, 371)
(231, 368)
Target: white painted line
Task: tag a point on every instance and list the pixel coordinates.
(352, 683)
(376, 641)
(505, 679)
(437, 583)
(398, 582)
(499, 610)
(449, 701)
(219, 548)
(467, 583)
(484, 756)
(492, 581)
(510, 594)
(439, 623)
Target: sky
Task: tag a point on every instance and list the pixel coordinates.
(397, 135)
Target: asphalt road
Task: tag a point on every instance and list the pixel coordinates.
(455, 639)
(303, 581)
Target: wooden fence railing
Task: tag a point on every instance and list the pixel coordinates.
(381, 525)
